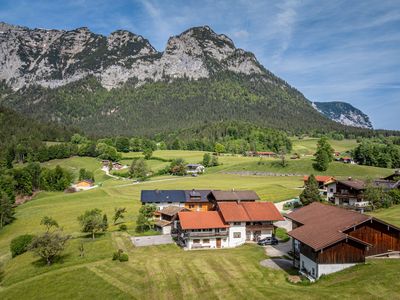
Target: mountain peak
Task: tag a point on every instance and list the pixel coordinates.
(53, 58)
(344, 113)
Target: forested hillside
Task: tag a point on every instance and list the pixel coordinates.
(162, 107)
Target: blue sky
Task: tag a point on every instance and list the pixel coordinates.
(329, 50)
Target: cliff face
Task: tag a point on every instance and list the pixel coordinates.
(343, 113)
(53, 58)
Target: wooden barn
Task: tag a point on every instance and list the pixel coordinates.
(327, 239)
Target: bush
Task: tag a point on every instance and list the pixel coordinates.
(116, 256)
(20, 244)
(120, 255)
(123, 257)
(123, 227)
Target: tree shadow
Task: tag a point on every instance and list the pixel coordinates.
(60, 259)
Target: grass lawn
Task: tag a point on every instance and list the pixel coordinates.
(304, 166)
(75, 163)
(391, 215)
(168, 272)
(308, 146)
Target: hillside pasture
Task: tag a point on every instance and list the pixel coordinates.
(304, 166)
(308, 146)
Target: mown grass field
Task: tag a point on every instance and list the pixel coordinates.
(308, 146)
(168, 272)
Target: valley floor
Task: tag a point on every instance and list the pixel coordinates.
(168, 272)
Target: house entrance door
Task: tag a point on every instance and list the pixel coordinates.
(218, 243)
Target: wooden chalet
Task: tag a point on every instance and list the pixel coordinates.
(328, 239)
(166, 217)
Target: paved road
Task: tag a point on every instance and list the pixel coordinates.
(142, 241)
(277, 264)
(278, 250)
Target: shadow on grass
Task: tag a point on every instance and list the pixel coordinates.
(57, 260)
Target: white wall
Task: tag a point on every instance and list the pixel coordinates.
(212, 244)
(166, 229)
(234, 242)
(328, 189)
(308, 265)
(265, 233)
(332, 268)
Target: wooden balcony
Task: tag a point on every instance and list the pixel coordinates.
(206, 234)
(259, 227)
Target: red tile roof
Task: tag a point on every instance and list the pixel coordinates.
(321, 178)
(201, 220)
(249, 211)
(323, 225)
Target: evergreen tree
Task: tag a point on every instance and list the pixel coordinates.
(206, 159)
(324, 155)
(6, 210)
(311, 191)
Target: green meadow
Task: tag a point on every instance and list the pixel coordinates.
(168, 272)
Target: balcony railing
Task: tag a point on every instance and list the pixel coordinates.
(206, 234)
(259, 227)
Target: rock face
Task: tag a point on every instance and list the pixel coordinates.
(343, 113)
(53, 58)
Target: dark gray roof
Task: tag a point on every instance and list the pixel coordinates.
(197, 195)
(151, 196)
(181, 196)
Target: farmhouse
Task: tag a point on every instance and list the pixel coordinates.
(204, 229)
(166, 218)
(323, 182)
(195, 169)
(231, 225)
(195, 200)
(328, 239)
(348, 193)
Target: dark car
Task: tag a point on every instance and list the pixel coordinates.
(268, 241)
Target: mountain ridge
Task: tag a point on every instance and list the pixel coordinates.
(120, 84)
(343, 113)
(53, 58)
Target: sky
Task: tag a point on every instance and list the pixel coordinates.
(329, 50)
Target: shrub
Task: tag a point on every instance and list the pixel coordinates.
(20, 244)
(123, 257)
(123, 227)
(120, 255)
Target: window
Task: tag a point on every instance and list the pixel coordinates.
(237, 223)
(331, 190)
(197, 241)
(313, 271)
(206, 241)
(200, 206)
(169, 202)
(237, 235)
(191, 205)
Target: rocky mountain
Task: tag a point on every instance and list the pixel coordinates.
(343, 113)
(120, 84)
(52, 58)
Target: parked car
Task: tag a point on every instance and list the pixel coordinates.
(268, 241)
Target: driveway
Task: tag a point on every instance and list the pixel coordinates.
(277, 264)
(278, 250)
(142, 241)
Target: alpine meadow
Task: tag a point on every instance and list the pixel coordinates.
(129, 172)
